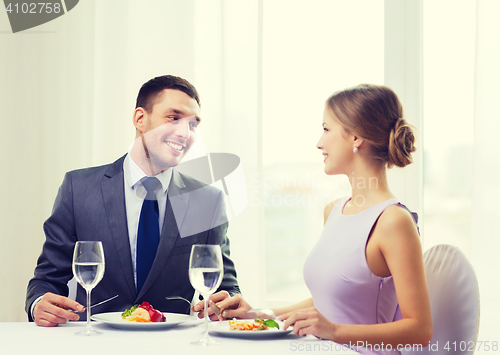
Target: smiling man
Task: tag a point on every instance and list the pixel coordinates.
(167, 129)
(136, 207)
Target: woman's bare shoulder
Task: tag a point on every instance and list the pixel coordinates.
(396, 216)
(396, 222)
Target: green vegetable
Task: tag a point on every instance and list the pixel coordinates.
(129, 311)
(271, 323)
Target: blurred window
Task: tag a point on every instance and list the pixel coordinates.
(310, 50)
(448, 134)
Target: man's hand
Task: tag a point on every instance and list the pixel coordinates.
(216, 298)
(231, 307)
(53, 310)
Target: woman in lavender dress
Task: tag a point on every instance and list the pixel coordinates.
(366, 273)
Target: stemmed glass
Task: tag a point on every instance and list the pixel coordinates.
(205, 275)
(88, 269)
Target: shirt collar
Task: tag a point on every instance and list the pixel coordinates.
(134, 174)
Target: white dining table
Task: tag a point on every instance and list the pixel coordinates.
(27, 338)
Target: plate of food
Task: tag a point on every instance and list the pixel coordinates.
(141, 317)
(249, 328)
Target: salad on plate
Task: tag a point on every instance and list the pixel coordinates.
(144, 313)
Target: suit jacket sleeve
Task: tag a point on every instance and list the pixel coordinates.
(217, 235)
(53, 270)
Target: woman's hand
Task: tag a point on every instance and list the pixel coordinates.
(309, 321)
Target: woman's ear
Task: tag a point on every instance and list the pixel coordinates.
(358, 142)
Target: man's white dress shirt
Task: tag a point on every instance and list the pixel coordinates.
(134, 197)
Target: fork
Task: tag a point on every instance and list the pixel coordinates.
(178, 298)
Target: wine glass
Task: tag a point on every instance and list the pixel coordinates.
(88, 269)
(205, 275)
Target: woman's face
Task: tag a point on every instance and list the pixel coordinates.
(336, 144)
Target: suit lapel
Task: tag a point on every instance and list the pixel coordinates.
(176, 208)
(114, 203)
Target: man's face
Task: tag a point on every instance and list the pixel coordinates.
(169, 130)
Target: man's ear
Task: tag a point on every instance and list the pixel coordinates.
(139, 119)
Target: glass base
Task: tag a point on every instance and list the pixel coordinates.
(207, 341)
(88, 332)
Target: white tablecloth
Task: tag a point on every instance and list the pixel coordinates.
(27, 338)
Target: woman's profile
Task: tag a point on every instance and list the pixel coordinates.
(366, 273)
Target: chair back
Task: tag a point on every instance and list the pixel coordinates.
(454, 298)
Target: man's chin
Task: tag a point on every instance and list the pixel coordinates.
(166, 161)
(166, 165)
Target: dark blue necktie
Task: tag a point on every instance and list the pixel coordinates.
(148, 233)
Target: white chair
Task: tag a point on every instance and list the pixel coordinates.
(454, 298)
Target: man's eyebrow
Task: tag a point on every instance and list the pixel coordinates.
(180, 113)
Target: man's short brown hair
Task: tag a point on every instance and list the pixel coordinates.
(150, 91)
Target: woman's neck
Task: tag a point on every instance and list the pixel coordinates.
(369, 187)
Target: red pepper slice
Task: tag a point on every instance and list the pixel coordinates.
(156, 316)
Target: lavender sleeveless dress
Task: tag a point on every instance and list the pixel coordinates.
(343, 288)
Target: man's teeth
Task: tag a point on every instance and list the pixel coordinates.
(175, 146)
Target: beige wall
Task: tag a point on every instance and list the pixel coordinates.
(67, 92)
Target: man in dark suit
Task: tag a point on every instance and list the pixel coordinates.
(104, 204)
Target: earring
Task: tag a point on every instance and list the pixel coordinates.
(355, 150)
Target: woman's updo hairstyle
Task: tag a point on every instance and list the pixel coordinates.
(374, 113)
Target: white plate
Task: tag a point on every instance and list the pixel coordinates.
(115, 320)
(222, 328)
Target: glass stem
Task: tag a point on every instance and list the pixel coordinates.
(206, 317)
(88, 310)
